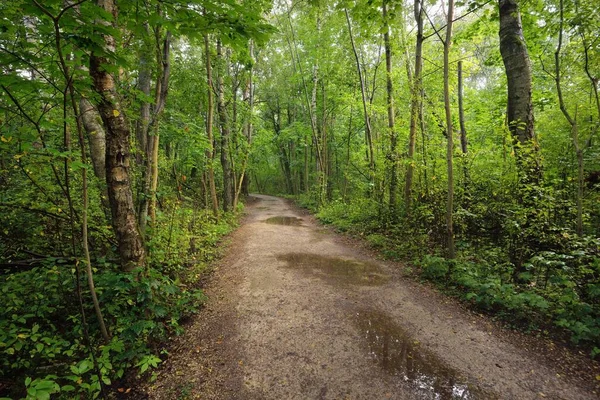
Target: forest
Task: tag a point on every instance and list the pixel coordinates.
(461, 137)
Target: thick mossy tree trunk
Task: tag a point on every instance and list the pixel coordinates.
(521, 125)
(520, 107)
(131, 248)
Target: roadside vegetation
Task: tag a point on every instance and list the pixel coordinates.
(504, 211)
(123, 151)
(460, 136)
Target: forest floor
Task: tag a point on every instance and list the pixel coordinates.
(297, 311)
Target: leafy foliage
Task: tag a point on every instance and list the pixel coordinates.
(43, 335)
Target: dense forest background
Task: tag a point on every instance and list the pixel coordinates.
(461, 137)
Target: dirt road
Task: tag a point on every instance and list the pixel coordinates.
(295, 312)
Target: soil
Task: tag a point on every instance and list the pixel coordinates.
(297, 311)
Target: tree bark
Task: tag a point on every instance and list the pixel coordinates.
(363, 92)
(225, 135)
(148, 129)
(415, 103)
(450, 134)
(461, 111)
(144, 85)
(162, 90)
(92, 123)
(463, 129)
(248, 128)
(393, 154)
(210, 153)
(520, 107)
(572, 121)
(130, 245)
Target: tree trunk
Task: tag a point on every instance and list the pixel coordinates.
(145, 143)
(162, 89)
(450, 134)
(92, 123)
(393, 154)
(520, 107)
(363, 93)
(463, 129)
(415, 103)
(461, 111)
(210, 153)
(225, 135)
(131, 248)
(248, 127)
(144, 86)
(148, 132)
(520, 123)
(572, 121)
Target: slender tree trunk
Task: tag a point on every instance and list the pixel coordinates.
(69, 94)
(520, 106)
(423, 143)
(572, 121)
(248, 127)
(461, 110)
(225, 135)
(131, 248)
(144, 86)
(416, 103)
(393, 154)
(363, 93)
(450, 134)
(320, 167)
(149, 129)
(161, 90)
(463, 129)
(209, 132)
(309, 103)
(144, 141)
(245, 180)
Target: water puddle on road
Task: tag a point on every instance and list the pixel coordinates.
(400, 355)
(281, 220)
(336, 270)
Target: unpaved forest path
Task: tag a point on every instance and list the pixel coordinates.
(297, 313)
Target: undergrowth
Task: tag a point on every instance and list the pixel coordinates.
(555, 292)
(46, 347)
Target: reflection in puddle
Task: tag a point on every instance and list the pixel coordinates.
(400, 355)
(284, 221)
(336, 270)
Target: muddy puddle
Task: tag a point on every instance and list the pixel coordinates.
(336, 270)
(401, 356)
(281, 220)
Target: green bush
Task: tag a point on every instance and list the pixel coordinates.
(44, 343)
